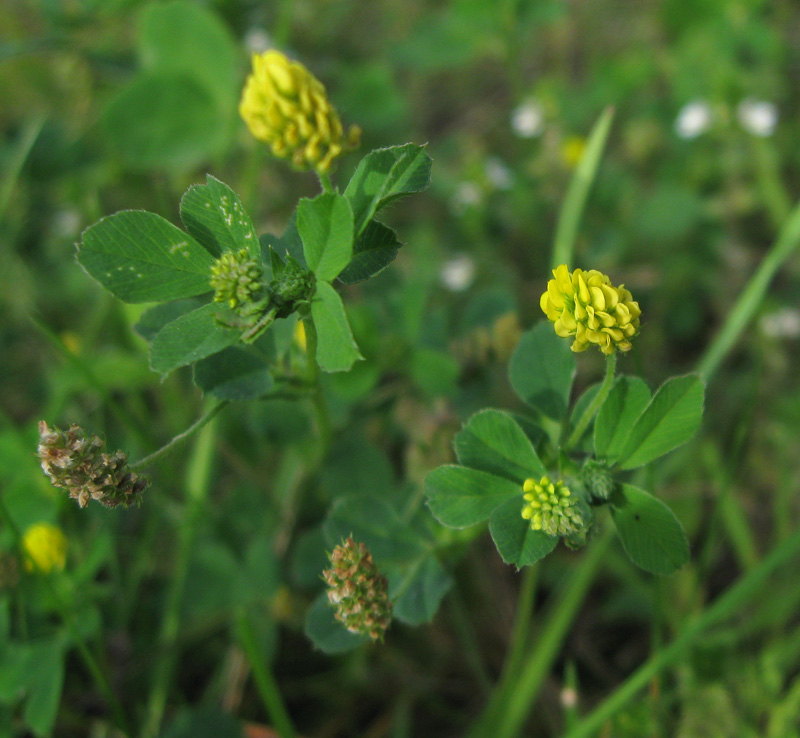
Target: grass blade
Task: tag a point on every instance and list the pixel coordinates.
(572, 210)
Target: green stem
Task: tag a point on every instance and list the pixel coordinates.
(724, 606)
(512, 702)
(166, 448)
(519, 642)
(265, 681)
(325, 181)
(317, 397)
(571, 211)
(522, 621)
(469, 641)
(752, 295)
(100, 680)
(198, 477)
(594, 405)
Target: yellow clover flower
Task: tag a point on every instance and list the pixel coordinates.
(551, 507)
(284, 105)
(587, 306)
(46, 547)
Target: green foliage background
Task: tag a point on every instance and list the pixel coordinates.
(123, 104)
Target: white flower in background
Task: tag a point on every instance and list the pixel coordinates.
(66, 223)
(758, 117)
(784, 323)
(458, 273)
(693, 119)
(498, 173)
(527, 120)
(467, 195)
(257, 40)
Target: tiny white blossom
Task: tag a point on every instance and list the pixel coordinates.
(784, 323)
(693, 119)
(498, 173)
(257, 40)
(66, 223)
(569, 697)
(758, 117)
(527, 120)
(467, 194)
(458, 273)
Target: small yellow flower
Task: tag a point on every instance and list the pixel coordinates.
(587, 306)
(284, 105)
(551, 507)
(46, 547)
(300, 335)
(572, 151)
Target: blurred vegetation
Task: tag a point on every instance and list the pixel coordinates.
(124, 104)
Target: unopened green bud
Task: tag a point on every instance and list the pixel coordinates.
(292, 285)
(597, 480)
(357, 591)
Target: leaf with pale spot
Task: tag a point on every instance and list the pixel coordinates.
(141, 257)
(215, 216)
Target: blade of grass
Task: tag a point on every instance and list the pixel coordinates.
(723, 607)
(514, 699)
(130, 420)
(768, 179)
(752, 296)
(19, 155)
(265, 681)
(198, 482)
(574, 202)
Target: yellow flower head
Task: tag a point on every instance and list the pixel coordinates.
(586, 305)
(551, 507)
(300, 335)
(46, 547)
(572, 151)
(286, 106)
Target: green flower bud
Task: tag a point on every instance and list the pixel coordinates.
(597, 479)
(237, 279)
(357, 590)
(294, 284)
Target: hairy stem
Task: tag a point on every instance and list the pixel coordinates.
(318, 397)
(325, 182)
(595, 404)
(196, 426)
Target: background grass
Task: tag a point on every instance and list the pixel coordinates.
(682, 222)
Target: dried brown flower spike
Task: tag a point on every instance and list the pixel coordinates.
(76, 462)
(357, 590)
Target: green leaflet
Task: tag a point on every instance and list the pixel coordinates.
(650, 533)
(141, 257)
